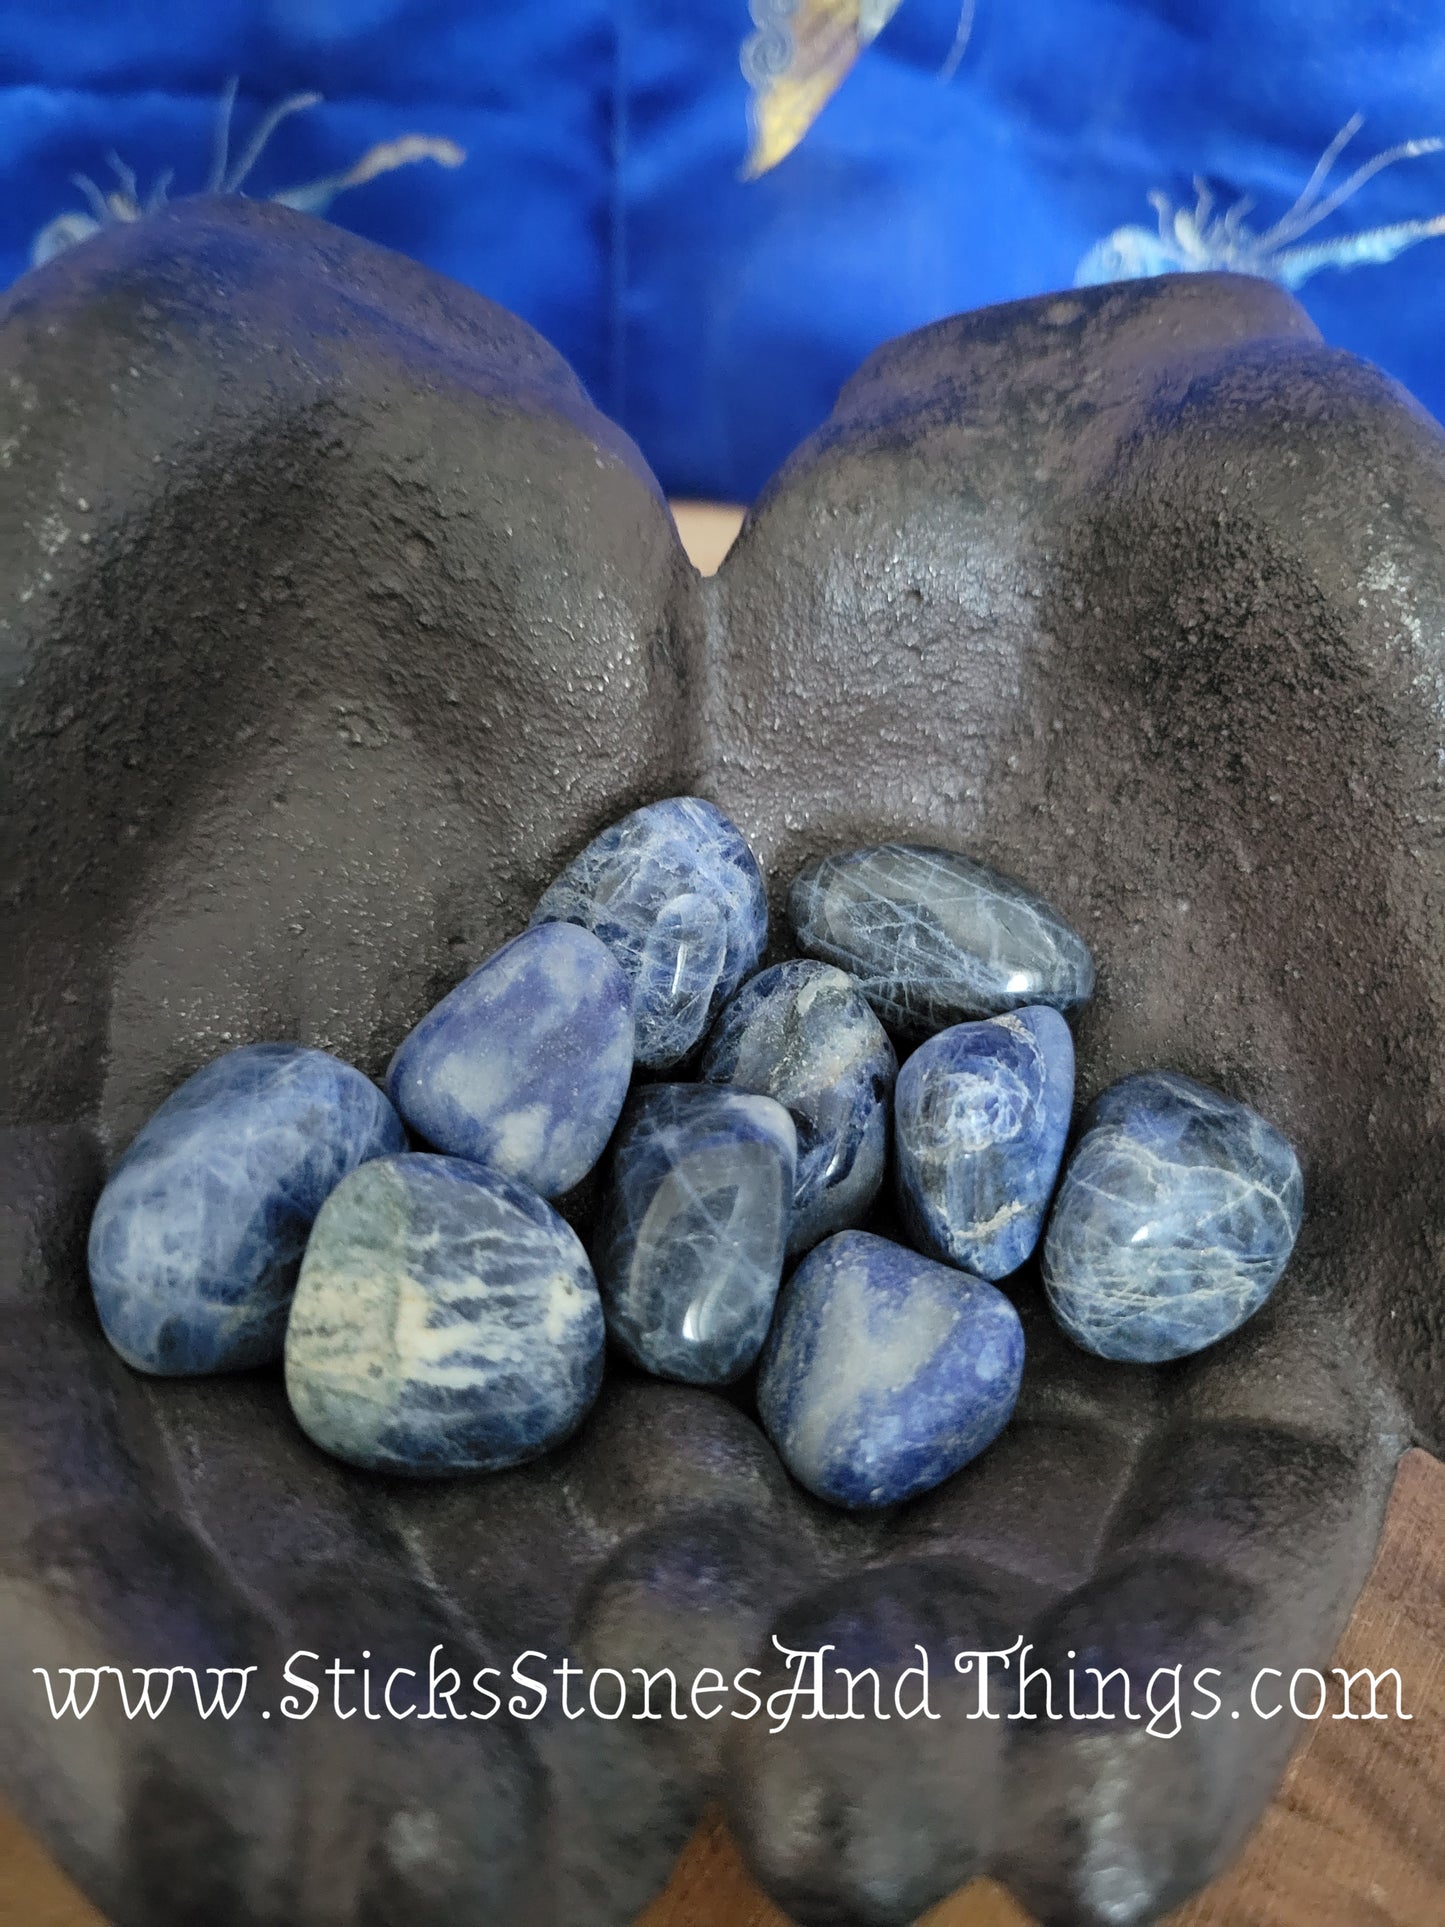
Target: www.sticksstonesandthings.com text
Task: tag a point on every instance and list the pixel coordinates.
(1008, 1683)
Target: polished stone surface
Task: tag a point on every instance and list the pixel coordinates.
(802, 1033)
(445, 1320)
(525, 1065)
(980, 1118)
(693, 1228)
(885, 1371)
(198, 1234)
(1177, 1213)
(934, 937)
(676, 894)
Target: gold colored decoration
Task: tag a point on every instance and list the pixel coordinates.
(799, 56)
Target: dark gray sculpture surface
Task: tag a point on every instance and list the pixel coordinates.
(334, 621)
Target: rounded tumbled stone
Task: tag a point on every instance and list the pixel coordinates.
(934, 938)
(885, 1371)
(980, 1119)
(446, 1320)
(525, 1065)
(803, 1033)
(1176, 1216)
(693, 1227)
(676, 894)
(198, 1234)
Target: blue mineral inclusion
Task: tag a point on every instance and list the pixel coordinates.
(980, 1118)
(525, 1065)
(446, 1320)
(885, 1371)
(934, 938)
(197, 1236)
(1176, 1216)
(694, 1223)
(803, 1033)
(676, 894)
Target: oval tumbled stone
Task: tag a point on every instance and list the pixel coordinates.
(197, 1236)
(933, 937)
(803, 1033)
(525, 1065)
(1176, 1216)
(694, 1222)
(676, 894)
(446, 1320)
(885, 1371)
(980, 1119)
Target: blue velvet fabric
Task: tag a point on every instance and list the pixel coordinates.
(715, 317)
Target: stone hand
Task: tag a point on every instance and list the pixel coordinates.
(337, 621)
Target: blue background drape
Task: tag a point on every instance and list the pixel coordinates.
(716, 318)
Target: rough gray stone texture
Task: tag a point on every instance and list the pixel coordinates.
(334, 621)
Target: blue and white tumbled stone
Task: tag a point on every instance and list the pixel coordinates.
(1176, 1216)
(885, 1371)
(693, 1228)
(525, 1065)
(446, 1320)
(196, 1239)
(676, 894)
(802, 1033)
(980, 1118)
(933, 937)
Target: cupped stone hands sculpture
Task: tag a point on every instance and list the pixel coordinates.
(336, 622)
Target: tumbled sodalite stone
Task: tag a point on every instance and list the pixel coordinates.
(446, 1320)
(934, 937)
(885, 1371)
(676, 895)
(802, 1033)
(197, 1236)
(1177, 1213)
(694, 1223)
(980, 1117)
(525, 1065)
